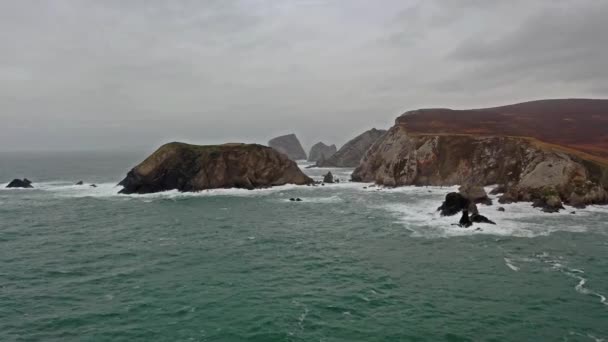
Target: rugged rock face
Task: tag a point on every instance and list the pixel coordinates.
(351, 153)
(477, 194)
(328, 178)
(187, 167)
(527, 169)
(320, 151)
(288, 145)
(20, 183)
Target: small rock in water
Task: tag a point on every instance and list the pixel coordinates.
(298, 199)
(93, 185)
(20, 183)
(79, 183)
(574, 212)
(292, 199)
(500, 209)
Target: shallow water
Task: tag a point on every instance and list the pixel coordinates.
(346, 264)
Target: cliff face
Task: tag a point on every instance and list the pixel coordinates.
(581, 124)
(320, 151)
(288, 145)
(187, 167)
(351, 153)
(527, 168)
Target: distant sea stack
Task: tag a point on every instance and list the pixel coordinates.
(351, 153)
(529, 162)
(320, 151)
(288, 145)
(185, 167)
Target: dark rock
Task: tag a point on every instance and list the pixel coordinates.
(288, 145)
(20, 183)
(187, 167)
(320, 151)
(477, 218)
(549, 204)
(501, 209)
(465, 221)
(292, 199)
(79, 183)
(573, 212)
(328, 178)
(93, 185)
(453, 204)
(298, 199)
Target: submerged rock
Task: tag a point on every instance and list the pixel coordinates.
(184, 167)
(288, 145)
(477, 218)
(79, 183)
(20, 183)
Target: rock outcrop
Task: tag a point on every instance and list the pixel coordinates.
(20, 183)
(320, 151)
(328, 178)
(288, 145)
(526, 169)
(351, 153)
(187, 167)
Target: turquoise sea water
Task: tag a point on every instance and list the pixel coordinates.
(346, 264)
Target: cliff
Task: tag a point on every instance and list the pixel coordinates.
(581, 124)
(320, 151)
(187, 167)
(351, 153)
(527, 168)
(288, 145)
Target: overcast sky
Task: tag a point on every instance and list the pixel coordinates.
(107, 74)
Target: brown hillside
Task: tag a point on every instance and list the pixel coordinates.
(580, 124)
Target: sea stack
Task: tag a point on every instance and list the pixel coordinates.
(320, 151)
(20, 183)
(351, 153)
(529, 149)
(185, 167)
(288, 145)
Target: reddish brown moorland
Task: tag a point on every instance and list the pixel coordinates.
(580, 124)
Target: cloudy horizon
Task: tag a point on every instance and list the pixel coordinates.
(84, 75)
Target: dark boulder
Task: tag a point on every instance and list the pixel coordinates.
(93, 185)
(477, 218)
(501, 209)
(328, 178)
(453, 204)
(79, 183)
(20, 183)
(465, 221)
(549, 204)
(501, 189)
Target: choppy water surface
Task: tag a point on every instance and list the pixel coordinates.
(347, 264)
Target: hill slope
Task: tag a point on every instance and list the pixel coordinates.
(581, 124)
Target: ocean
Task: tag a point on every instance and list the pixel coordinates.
(351, 262)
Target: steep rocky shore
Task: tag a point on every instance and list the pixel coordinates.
(526, 169)
(351, 153)
(187, 167)
(288, 145)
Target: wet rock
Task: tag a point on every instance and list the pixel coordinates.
(454, 203)
(501, 209)
(20, 183)
(93, 186)
(549, 204)
(477, 218)
(328, 178)
(465, 221)
(79, 183)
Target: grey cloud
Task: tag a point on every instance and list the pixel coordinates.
(115, 74)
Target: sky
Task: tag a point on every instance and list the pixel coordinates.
(114, 74)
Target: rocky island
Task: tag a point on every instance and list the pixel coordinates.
(320, 151)
(351, 153)
(185, 167)
(528, 162)
(288, 145)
